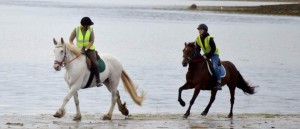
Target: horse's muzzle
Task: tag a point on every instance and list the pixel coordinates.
(184, 64)
(57, 67)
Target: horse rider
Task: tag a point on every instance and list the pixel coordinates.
(85, 41)
(206, 42)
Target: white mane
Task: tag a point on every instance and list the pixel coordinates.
(73, 49)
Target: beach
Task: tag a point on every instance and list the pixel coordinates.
(148, 37)
(154, 121)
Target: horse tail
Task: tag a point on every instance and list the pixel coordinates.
(244, 85)
(131, 89)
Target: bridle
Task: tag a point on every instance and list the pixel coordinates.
(63, 62)
(192, 57)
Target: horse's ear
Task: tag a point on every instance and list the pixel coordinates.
(62, 40)
(54, 41)
(185, 43)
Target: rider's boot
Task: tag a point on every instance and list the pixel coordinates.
(98, 83)
(219, 85)
(97, 75)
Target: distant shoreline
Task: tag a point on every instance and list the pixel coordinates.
(292, 9)
(261, 0)
(281, 9)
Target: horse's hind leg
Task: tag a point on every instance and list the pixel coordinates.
(78, 114)
(122, 107)
(113, 103)
(112, 87)
(212, 99)
(232, 94)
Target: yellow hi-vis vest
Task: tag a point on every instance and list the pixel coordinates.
(84, 40)
(207, 47)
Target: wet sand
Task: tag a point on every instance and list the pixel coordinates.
(151, 121)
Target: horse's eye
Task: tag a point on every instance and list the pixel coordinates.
(61, 51)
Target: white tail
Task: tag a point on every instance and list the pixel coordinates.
(131, 89)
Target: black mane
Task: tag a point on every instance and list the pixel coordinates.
(191, 45)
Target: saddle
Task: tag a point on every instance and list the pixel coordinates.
(89, 62)
(101, 64)
(212, 71)
(101, 67)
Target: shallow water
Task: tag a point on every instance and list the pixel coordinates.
(148, 42)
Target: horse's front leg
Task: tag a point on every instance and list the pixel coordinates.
(184, 87)
(212, 99)
(61, 111)
(78, 114)
(196, 92)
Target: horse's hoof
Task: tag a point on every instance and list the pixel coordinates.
(57, 115)
(204, 113)
(123, 109)
(60, 113)
(106, 117)
(77, 118)
(125, 112)
(185, 116)
(182, 103)
(230, 116)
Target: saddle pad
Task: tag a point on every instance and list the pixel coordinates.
(222, 70)
(101, 65)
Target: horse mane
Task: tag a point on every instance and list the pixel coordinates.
(73, 49)
(192, 45)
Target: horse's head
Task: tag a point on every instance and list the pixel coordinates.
(189, 53)
(60, 54)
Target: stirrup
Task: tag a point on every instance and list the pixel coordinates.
(98, 84)
(218, 86)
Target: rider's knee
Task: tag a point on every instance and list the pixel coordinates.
(216, 68)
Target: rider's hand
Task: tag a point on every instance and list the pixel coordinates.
(82, 51)
(205, 57)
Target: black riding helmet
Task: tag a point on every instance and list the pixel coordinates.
(203, 26)
(86, 21)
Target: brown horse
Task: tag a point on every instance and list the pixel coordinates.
(198, 77)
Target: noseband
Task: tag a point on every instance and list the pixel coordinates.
(63, 62)
(192, 57)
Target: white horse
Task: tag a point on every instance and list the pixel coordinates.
(77, 75)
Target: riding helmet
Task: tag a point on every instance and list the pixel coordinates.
(86, 21)
(203, 26)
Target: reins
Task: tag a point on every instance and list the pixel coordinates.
(191, 58)
(72, 59)
(64, 62)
